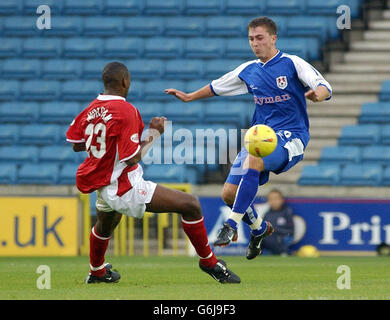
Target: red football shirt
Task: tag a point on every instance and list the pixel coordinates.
(111, 129)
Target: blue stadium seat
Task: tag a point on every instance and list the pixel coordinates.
(85, 7)
(42, 47)
(376, 154)
(9, 90)
(226, 26)
(42, 90)
(307, 26)
(203, 7)
(149, 110)
(102, 26)
(10, 47)
(166, 7)
(123, 7)
(363, 134)
(39, 134)
(204, 48)
(238, 48)
(340, 154)
(141, 27)
(11, 7)
(8, 173)
(294, 46)
(61, 69)
(184, 26)
(329, 7)
(62, 129)
(174, 111)
(20, 26)
(385, 91)
(67, 174)
(375, 112)
(154, 90)
(136, 91)
(30, 6)
(58, 111)
(145, 68)
(65, 27)
(288, 7)
(59, 154)
(92, 69)
(123, 48)
(385, 134)
(363, 175)
(18, 112)
(9, 134)
(18, 154)
(163, 48)
(21, 69)
(169, 173)
(83, 47)
(194, 85)
(183, 69)
(38, 174)
(217, 68)
(79, 90)
(320, 175)
(250, 7)
(386, 177)
(226, 113)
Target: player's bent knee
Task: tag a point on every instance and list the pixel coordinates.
(191, 208)
(252, 162)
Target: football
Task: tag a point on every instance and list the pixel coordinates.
(308, 251)
(260, 140)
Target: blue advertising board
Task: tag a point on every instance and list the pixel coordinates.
(328, 224)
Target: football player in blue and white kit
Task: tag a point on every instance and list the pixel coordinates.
(279, 83)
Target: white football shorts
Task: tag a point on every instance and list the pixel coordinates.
(133, 202)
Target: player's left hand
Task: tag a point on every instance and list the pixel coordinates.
(158, 123)
(312, 95)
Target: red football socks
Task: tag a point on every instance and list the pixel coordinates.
(196, 232)
(97, 249)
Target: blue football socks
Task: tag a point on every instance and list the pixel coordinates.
(245, 194)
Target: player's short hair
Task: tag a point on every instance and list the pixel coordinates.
(266, 22)
(113, 73)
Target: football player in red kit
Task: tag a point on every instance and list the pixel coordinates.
(110, 130)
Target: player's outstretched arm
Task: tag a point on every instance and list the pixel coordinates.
(202, 93)
(317, 95)
(156, 128)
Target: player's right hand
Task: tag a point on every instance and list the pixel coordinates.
(158, 123)
(185, 97)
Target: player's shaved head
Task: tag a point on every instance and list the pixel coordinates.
(116, 79)
(264, 22)
(113, 75)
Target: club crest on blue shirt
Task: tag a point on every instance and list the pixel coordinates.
(281, 82)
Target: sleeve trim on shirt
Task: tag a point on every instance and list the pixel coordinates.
(75, 141)
(330, 91)
(212, 89)
(129, 157)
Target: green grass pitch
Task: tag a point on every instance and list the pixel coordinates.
(180, 278)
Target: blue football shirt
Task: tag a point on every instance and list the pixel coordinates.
(278, 88)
